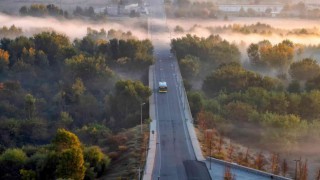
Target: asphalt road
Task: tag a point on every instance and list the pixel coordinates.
(175, 158)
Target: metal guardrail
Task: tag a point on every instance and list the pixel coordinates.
(183, 94)
(247, 169)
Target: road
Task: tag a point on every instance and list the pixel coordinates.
(175, 158)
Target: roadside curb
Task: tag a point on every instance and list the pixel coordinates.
(153, 133)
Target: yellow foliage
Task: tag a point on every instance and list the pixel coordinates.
(4, 56)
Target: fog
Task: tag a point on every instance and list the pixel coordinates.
(78, 29)
(71, 28)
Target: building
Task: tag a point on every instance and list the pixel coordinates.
(235, 8)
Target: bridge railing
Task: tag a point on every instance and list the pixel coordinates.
(248, 169)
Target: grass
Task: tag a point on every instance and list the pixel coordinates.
(126, 165)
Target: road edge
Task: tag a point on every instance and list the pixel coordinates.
(153, 133)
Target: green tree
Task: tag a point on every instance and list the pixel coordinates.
(97, 160)
(189, 66)
(11, 161)
(30, 106)
(52, 44)
(310, 105)
(126, 101)
(313, 84)
(70, 155)
(294, 87)
(196, 102)
(254, 55)
(305, 69)
(86, 67)
(232, 77)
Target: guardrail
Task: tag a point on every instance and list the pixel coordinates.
(247, 169)
(188, 116)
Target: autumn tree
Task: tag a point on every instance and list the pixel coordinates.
(284, 167)
(305, 69)
(259, 161)
(303, 170)
(228, 174)
(277, 57)
(4, 60)
(275, 164)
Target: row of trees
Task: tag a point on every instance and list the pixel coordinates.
(197, 54)
(48, 82)
(10, 32)
(41, 10)
(64, 158)
(242, 104)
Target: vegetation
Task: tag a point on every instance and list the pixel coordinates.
(265, 55)
(197, 54)
(51, 10)
(240, 103)
(48, 83)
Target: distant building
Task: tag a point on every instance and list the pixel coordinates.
(235, 8)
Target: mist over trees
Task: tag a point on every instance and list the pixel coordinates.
(48, 82)
(234, 99)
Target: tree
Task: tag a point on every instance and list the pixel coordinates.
(189, 66)
(4, 60)
(284, 167)
(227, 174)
(10, 163)
(254, 55)
(98, 161)
(30, 107)
(294, 87)
(278, 56)
(259, 161)
(23, 11)
(233, 77)
(71, 164)
(52, 44)
(86, 67)
(238, 111)
(305, 69)
(310, 105)
(70, 155)
(275, 164)
(196, 102)
(125, 103)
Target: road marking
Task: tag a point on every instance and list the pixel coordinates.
(158, 128)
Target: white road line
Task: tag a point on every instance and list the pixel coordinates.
(183, 120)
(158, 125)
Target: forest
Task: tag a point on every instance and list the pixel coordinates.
(278, 113)
(65, 110)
